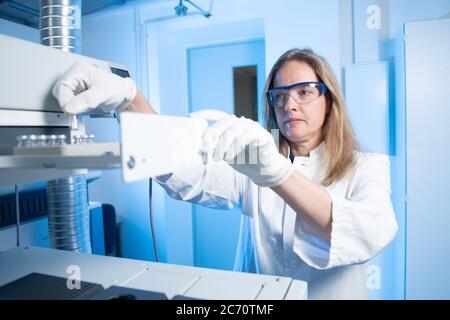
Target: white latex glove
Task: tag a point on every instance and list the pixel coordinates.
(230, 138)
(85, 87)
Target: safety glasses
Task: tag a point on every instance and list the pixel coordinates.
(302, 93)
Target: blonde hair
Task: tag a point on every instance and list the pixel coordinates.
(337, 132)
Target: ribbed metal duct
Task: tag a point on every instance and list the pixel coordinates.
(60, 24)
(68, 214)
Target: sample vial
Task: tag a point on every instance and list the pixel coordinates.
(52, 140)
(22, 140)
(90, 138)
(61, 139)
(32, 141)
(41, 140)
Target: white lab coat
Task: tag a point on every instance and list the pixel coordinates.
(363, 221)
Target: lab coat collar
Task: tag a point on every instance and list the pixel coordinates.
(316, 153)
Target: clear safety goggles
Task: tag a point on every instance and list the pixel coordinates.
(302, 93)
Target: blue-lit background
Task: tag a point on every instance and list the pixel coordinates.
(182, 65)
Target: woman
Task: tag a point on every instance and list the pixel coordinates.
(319, 208)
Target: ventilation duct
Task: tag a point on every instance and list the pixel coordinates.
(68, 214)
(60, 24)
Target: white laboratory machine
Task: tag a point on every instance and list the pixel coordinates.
(39, 143)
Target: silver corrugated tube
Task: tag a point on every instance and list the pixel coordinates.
(68, 214)
(60, 24)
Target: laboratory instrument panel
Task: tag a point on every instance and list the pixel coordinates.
(38, 142)
(36, 135)
(106, 277)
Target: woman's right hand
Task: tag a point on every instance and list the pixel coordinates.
(85, 87)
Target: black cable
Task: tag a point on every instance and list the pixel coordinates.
(16, 189)
(152, 224)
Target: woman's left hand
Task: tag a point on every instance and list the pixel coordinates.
(246, 146)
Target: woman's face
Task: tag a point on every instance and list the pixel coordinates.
(299, 122)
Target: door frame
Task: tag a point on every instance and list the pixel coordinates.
(260, 83)
(177, 37)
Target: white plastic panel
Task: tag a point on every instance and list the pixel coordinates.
(367, 98)
(201, 283)
(427, 52)
(106, 271)
(154, 145)
(297, 290)
(11, 177)
(32, 118)
(72, 150)
(60, 162)
(224, 289)
(170, 283)
(29, 71)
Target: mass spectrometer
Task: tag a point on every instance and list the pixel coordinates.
(38, 142)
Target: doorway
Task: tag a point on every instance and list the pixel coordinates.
(228, 77)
